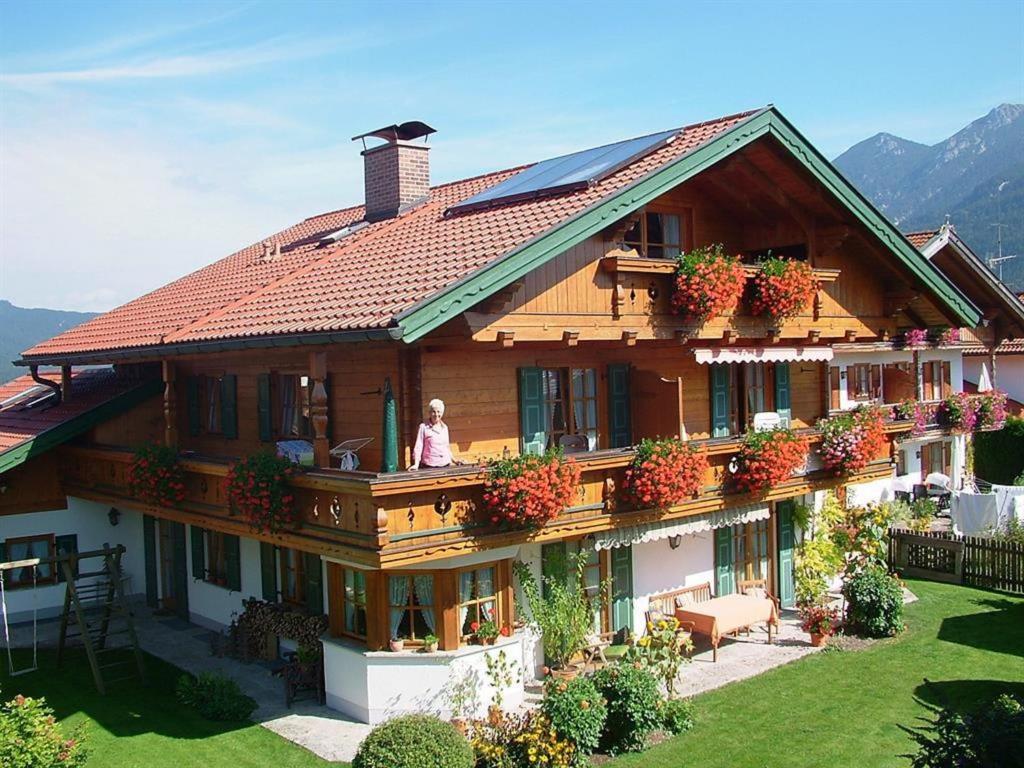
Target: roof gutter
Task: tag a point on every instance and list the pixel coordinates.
(34, 370)
(158, 351)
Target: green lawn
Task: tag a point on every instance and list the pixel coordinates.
(836, 709)
(962, 645)
(145, 727)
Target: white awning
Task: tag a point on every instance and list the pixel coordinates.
(663, 529)
(763, 355)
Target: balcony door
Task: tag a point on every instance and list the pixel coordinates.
(173, 573)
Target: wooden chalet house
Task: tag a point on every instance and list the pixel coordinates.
(535, 302)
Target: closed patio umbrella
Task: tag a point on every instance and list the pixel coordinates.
(389, 448)
(984, 380)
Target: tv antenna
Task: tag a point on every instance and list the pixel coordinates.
(998, 259)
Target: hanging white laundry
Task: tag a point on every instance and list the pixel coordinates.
(973, 513)
(1009, 502)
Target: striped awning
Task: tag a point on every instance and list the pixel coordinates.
(663, 529)
(763, 355)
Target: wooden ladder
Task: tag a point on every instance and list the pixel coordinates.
(103, 600)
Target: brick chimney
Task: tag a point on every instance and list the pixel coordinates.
(396, 174)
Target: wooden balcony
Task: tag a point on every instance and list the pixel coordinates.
(404, 518)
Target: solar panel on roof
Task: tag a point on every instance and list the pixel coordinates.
(568, 172)
(32, 397)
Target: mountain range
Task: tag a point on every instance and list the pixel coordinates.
(975, 177)
(20, 328)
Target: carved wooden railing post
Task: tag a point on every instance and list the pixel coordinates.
(318, 411)
(170, 406)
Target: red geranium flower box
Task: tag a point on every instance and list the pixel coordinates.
(154, 476)
(708, 283)
(665, 472)
(784, 288)
(528, 491)
(769, 458)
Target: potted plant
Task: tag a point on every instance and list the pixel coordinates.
(851, 440)
(258, 490)
(665, 472)
(528, 491)
(959, 412)
(768, 458)
(915, 337)
(430, 644)
(485, 633)
(155, 477)
(397, 644)
(783, 288)
(949, 337)
(819, 621)
(708, 283)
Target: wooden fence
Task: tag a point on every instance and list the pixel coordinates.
(977, 561)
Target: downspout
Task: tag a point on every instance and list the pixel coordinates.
(34, 370)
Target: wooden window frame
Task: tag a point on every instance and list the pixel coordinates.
(642, 247)
(215, 572)
(410, 606)
(51, 548)
(276, 404)
(568, 403)
(857, 371)
(343, 601)
(299, 598)
(216, 378)
(477, 601)
(741, 418)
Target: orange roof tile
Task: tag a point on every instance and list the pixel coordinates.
(362, 282)
(918, 239)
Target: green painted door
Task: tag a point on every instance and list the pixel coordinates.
(720, 400)
(786, 536)
(783, 405)
(533, 424)
(725, 575)
(622, 588)
(620, 430)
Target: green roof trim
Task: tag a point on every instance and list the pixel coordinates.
(462, 295)
(78, 425)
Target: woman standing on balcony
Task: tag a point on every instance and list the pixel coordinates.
(432, 450)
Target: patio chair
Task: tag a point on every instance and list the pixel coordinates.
(902, 496)
(594, 648)
(920, 491)
(301, 676)
(684, 632)
(574, 443)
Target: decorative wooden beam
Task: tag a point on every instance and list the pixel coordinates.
(629, 336)
(506, 339)
(729, 336)
(617, 231)
(170, 405)
(571, 337)
(501, 300)
(851, 335)
(774, 335)
(682, 336)
(318, 409)
(65, 383)
(814, 335)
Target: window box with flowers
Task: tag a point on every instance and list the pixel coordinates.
(851, 440)
(950, 337)
(665, 472)
(915, 338)
(258, 490)
(708, 283)
(528, 491)
(783, 289)
(991, 410)
(769, 458)
(155, 477)
(958, 412)
(922, 414)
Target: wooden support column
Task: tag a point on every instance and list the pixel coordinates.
(918, 375)
(65, 383)
(506, 598)
(335, 605)
(378, 613)
(170, 405)
(410, 401)
(992, 365)
(318, 373)
(446, 609)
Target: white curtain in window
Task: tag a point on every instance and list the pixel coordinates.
(424, 586)
(25, 550)
(670, 228)
(465, 594)
(287, 405)
(399, 590)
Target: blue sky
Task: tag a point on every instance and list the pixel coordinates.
(140, 141)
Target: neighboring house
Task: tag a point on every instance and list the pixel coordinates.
(536, 303)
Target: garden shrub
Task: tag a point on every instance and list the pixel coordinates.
(633, 706)
(991, 737)
(999, 456)
(214, 696)
(31, 738)
(520, 740)
(874, 602)
(677, 715)
(414, 741)
(577, 712)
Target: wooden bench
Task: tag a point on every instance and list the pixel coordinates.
(665, 602)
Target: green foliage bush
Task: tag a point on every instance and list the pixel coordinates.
(633, 706)
(999, 456)
(414, 741)
(992, 736)
(31, 738)
(577, 712)
(677, 715)
(214, 696)
(874, 602)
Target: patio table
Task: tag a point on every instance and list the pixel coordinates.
(720, 616)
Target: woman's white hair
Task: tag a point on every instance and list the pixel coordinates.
(437, 403)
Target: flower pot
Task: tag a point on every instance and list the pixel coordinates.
(567, 673)
(490, 640)
(431, 648)
(818, 640)
(494, 715)
(397, 646)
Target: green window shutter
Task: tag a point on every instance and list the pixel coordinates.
(725, 579)
(719, 400)
(263, 407)
(782, 398)
(553, 561)
(268, 571)
(233, 561)
(622, 588)
(149, 547)
(229, 406)
(787, 545)
(620, 428)
(63, 545)
(180, 569)
(198, 552)
(192, 405)
(531, 411)
(314, 584)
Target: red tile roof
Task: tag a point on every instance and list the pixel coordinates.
(918, 239)
(91, 387)
(362, 282)
(1015, 347)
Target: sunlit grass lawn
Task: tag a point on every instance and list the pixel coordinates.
(847, 708)
(145, 726)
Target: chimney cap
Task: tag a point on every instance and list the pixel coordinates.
(413, 129)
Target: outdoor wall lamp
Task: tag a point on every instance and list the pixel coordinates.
(114, 516)
(675, 541)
